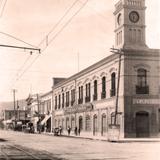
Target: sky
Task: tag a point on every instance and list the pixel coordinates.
(82, 38)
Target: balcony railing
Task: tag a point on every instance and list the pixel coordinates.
(103, 95)
(80, 101)
(142, 89)
(87, 99)
(95, 97)
(67, 104)
(72, 102)
(112, 92)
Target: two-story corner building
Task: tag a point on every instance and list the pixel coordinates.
(141, 71)
(126, 83)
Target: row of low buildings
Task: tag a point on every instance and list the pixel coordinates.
(121, 90)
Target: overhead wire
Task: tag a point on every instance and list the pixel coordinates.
(18, 39)
(64, 15)
(65, 25)
(3, 8)
(27, 59)
(1, 3)
(60, 20)
(97, 13)
(68, 10)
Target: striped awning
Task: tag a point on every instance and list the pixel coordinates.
(45, 119)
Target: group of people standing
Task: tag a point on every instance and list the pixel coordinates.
(76, 130)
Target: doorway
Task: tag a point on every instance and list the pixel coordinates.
(80, 123)
(103, 125)
(142, 124)
(95, 125)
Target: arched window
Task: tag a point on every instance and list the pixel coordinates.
(80, 99)
(103, 94)
(95, 90)
(88, 123)
(142, 77)
(88, 92)
(113, 84)
(55, 102)
(142, 87)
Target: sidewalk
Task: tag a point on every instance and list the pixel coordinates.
(127, 140)
(101, 138)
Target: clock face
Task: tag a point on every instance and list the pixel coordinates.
(119, 19)
(134, 16)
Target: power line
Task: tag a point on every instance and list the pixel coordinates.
(68, 10)
(60, 20)
(1, 3)
(18, 39)
(97, 13)
(28, 67)
(65, 25)
(27, 59)
(3, 8)
(54, 37)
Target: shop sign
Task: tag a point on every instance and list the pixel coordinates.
(146, 101)
(78, 108)
(58, 113)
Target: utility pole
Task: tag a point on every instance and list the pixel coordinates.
(38, 102)
(17, 110)
(120, 53)
(14, 103)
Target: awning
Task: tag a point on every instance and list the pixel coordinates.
(45, 119)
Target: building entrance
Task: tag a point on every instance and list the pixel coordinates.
(80, 123)
(48, 125)
(103, 125)
(142, 124)
(95, 127)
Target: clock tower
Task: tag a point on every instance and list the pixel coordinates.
(130, 24)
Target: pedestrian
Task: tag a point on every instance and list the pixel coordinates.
(79, 131)
(60, 130)
(39, 128)
(75, 130)
(69, 130)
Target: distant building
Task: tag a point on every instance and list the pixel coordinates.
(45, 108)
(40, 111)
(33, 109)
(10, 117)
